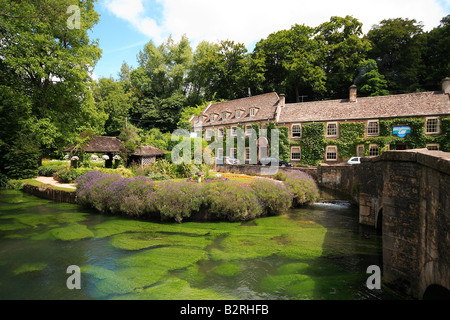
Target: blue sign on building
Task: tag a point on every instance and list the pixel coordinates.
(402, 131)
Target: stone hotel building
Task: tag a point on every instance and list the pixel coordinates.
(331, 131)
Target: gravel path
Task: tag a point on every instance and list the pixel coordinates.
(50, 180)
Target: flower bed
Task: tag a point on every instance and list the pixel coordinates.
(180, 200)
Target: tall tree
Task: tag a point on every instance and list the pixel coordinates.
(45, 63)
(369, 81)
(292, 61)
(436, 55)
(111, 99)
(397, 48)
(159, 84)
(346, 49)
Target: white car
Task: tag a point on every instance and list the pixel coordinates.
(354, 160)
(227, 160)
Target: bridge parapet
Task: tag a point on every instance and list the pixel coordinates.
(406, 195)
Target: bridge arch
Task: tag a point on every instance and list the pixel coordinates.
(436, 292)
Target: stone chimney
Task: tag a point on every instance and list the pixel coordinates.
(446, 85)
(282, 100)
(280, 106)
(353, 90)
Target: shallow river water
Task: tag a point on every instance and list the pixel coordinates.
(318, 252)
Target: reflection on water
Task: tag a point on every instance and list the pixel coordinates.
(318, 252)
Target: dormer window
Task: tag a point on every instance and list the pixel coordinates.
(224, 115)
(238, 114)
(253, 112)
(212, 118)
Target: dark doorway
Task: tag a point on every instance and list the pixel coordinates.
(401, 146)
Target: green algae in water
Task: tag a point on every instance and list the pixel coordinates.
(176, 289)
(228, 269)
(170, 258)
(118, 225)
(107, 282)
(138, 241)
(35, 220)
(11, 226)
(141, 270)
(63, 206)
(29, 267)
(193, 275)
(292, 268)
(274, 235)
(72, 232)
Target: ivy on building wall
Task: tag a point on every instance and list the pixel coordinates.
(351, 134)
(444, 137)
(312, 143)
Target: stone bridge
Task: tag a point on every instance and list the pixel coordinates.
(406, 196)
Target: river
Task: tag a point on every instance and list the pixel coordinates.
(317, 252)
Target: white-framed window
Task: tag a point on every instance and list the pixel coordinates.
(432, 125)
(247, 154)
(332, 129)
(238, 114)
(220, 132)
(331, 153)
(219, 152)
(224, 115)
(253, 112)
(208, 134)
(233, 152)
(296, 153)
(373, 128)
(296, 131)
(248, 129)
(360, 150)
(373, 150)
(212, 118)
(433, 146)
(233, 131)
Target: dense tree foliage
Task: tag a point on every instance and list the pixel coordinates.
(44, 75)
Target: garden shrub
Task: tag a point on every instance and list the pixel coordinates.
(231, 201)
(112, 193)
(49, 171)
(302, 186)
(275, 197)
(176, 200)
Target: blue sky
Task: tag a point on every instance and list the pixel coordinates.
(125, 26)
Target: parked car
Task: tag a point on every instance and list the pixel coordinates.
(227, 160)
(269, 160)
(354, 160)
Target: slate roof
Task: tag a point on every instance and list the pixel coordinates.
(393, 106)
(101, 145)
(266, 104)
(148, 151)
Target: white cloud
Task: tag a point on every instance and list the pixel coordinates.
(248, 21)
(133, 11)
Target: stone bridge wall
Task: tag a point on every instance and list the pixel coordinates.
(406, 193)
